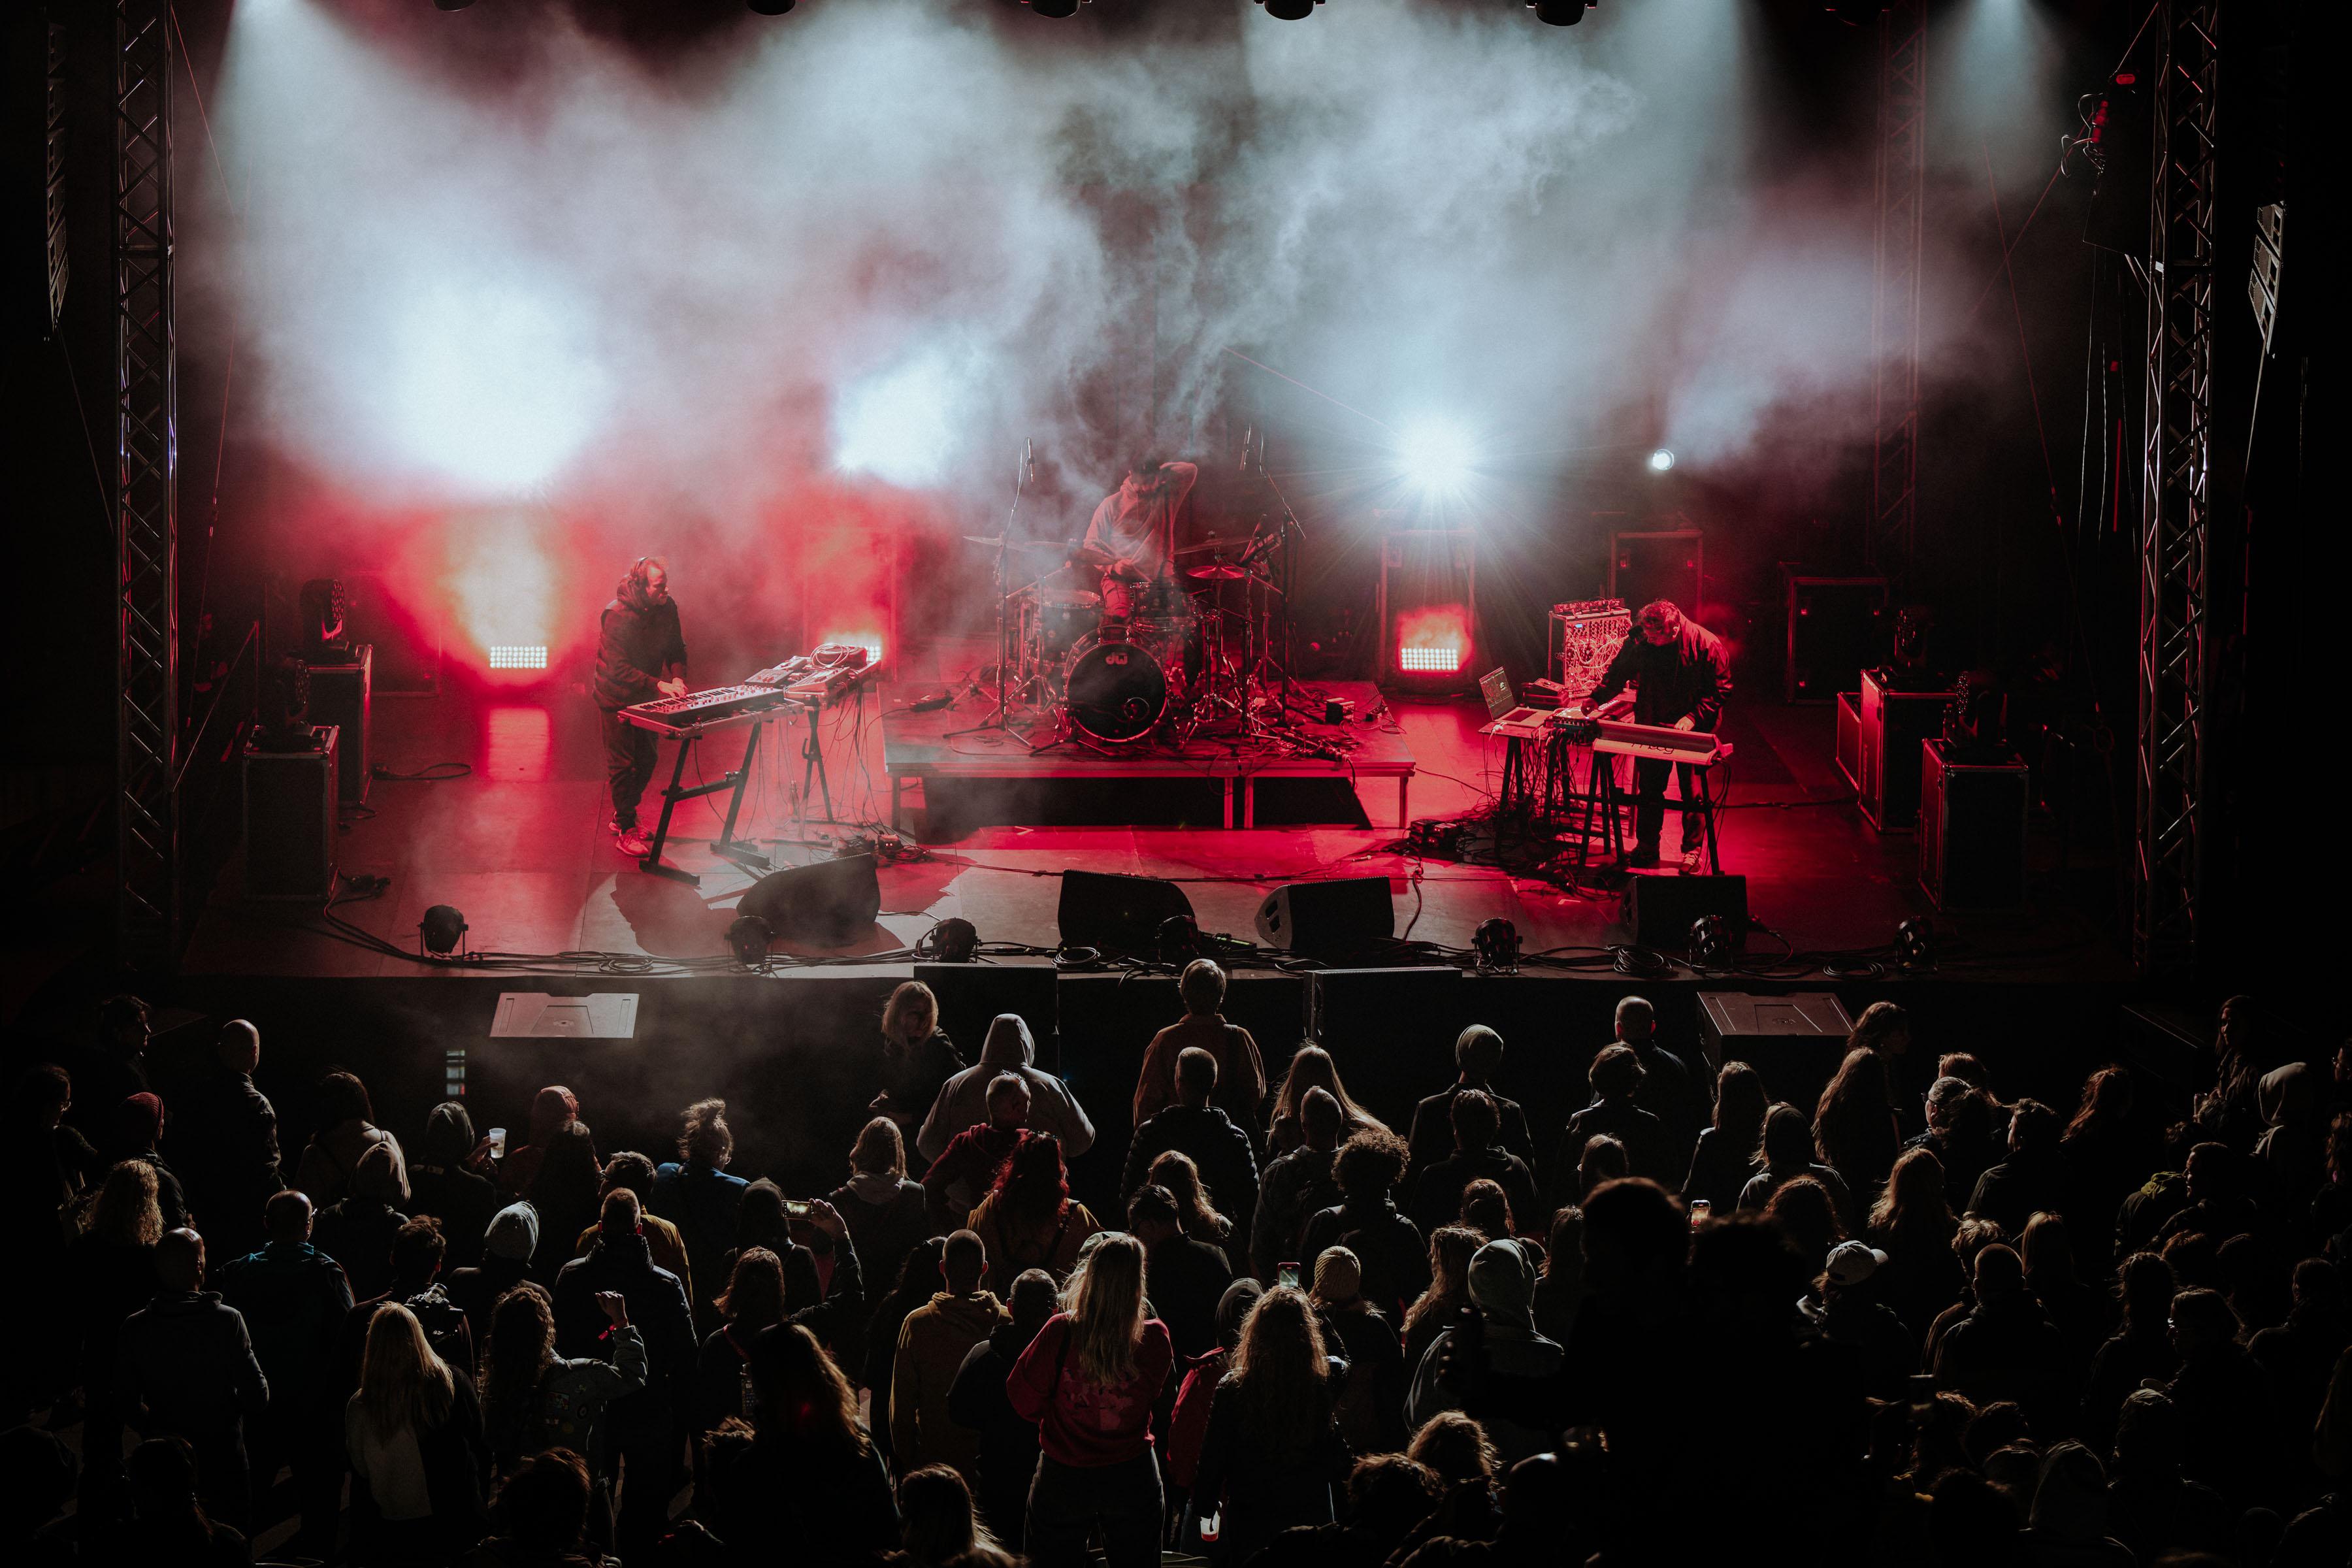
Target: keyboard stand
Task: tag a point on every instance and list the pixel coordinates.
(746, 855)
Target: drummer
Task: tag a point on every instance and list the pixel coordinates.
(1132, 535)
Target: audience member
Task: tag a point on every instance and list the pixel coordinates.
(1183, 1279)
(1188, 1425)
(1436, 1198)
(1478, 1058)
(886, 1213)
(1617, 1111)
(1786, 1152)
(920, 1279)
(534, 1400)
(1499, 1336)
(964, 1099)
(1090, 1380)
(2141, 1350)
(1175, 1170)
(2299, 1357)
(1560, 1293)
(225, 1140)
(139, 1124)
(168, 1522)
(962, 1173)
(446, 1181)
(186, 1359)
(553, 1108)
(1366, 1222)
(347, 1130)
(1602, 1160)
(2005, 1347)
(1297, 1186)
(1913, 1222)
(753, 1301)
(1273, 1450)
(1447, 1294)
(1802, 1211)
(917, 1057)
(540, 1515)
(1668, 1091)
(1871, 1351)
(110, 1275)
(1855, 1128)
(2106, 1157)
(1456, 1450)
(356, 1230)
(1311, 1069)
(1960, 1133)
(1028, 1220)
(1237, 1086)
(2032, 1177)
(508, 1247)
(1192, 1126)
(635, 1171)
(1004, 1443)
(933, 1343)
(293, 1298)
(2152, 1508)
(109, 1066)
(414, 1435)
(2227, 1413)
(804, 1472)
(1372, 1392)
(568, 1192)
(697, 1195)
(940, 1529)
(1725, 1156)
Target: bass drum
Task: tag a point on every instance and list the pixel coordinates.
(1115, 692)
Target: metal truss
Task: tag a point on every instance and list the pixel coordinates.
(146, 414)
(1889, 538)
(2176, 513)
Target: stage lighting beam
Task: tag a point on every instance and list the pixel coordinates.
(1662, 460)
(1437, 457)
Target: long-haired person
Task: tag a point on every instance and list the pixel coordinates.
(1784, 1153)
(886, 1211)
(940, 1528)
(1312, 1067)
(567, 1192)
(1853, 1123)
(166, 1522)
(809, 1485)
(533, 1399)
(1451, 1247)
(1913, 1224)
(110, 1274)
(2108, 1155)
(414, 1435)
(1089, 1380)
(1028, 1220)
(917, 1056)
(1175, 1170)
(1725, 1155)
(1273, 1450)
(753, 1301)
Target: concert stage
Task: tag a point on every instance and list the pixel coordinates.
(519, 844)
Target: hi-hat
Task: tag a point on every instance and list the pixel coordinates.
(1219, 572)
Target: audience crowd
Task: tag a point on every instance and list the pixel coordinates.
(1912, 1321)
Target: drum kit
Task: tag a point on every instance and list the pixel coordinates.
(1132, 657)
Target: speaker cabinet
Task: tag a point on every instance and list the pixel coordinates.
(831, 902)
(1972, 830)
(971, 995)
(1794, 1042)
(1837, 626)
(340, 696)
(1117, 914)
(1894, 723)
(1658, 563)
(1326, 920)
(1849, 737)
(1662, 909)
(289, 820)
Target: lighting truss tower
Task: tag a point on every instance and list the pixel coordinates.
(1895, 291)
(146, 414)
(2176, 509)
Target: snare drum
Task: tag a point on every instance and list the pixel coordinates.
(1054, 620)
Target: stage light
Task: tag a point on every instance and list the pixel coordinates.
(1498, 943)
(747, 939)
(770, 7)
(1661, 460)
(451, 4)
(442, 929)
(1052, 7)
(1915, 943)
(510, 656)
(1290, 10)
(1710, 941)
(1437, 457)
(952, 940)
(1558, 13)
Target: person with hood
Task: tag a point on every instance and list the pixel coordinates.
(917, 1056)
(1372, 1393)
(1238, 1087)
(139, 1124)
(697, 1195)
(1028, 1220)
(446, 1181)
(508, 1244)
(1389, 1246)
(1004, 1444)
(1198, 1128)
(1188, 1426)
(414, 1432)
(2006, 1347)
(293, 1298)
(356, 1231)
(224, 1139)
(1503, 1337)
(346, 1131)
(2067, 1526)
(1273, 1451)
(187, 1357)
(1434, 1196)
(1478, 1058)
(933, 1343)
(886, 1213)
(553, 1109)
(963, 1098)
(1297, 1186)
(961, 1175)
(646, 1428)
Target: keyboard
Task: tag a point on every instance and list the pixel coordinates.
(714, 707)
(1659, 742)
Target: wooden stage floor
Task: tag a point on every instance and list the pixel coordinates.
(520, 846)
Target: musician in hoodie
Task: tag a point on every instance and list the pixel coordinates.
(640, 655)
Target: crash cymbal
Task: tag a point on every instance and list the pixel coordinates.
(1219, 572)
(995, 541)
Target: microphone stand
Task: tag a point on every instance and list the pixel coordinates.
(1001, 718)
(1287, 529)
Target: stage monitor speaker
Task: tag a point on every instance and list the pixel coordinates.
(1658, 563)
(1794, 1042)
(1117, 914)
(1838, 626)
(1324, 920)
(289, 820)
(831, 902)
(971, 995)
(1893, 722)
(340, 696)
(1972, 830)
(1663, 908)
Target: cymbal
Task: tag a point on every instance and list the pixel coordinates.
(995, 541)
(1219, 572)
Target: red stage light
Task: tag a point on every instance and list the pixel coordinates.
(505, 656)
(1433, 640)
(1429, 660)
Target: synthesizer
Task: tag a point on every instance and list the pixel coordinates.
(1658, 742)
(715, 708)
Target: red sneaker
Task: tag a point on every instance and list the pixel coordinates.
(632, 842)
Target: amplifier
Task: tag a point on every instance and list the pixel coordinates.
(1893, 725)
(340, 696)
(289, 820)
(1584, 637)
(1972, 830)
(1658, 563)
(1794, 1042)
(1837, 628)
(1662, 909)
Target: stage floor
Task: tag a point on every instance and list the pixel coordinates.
(520, 846)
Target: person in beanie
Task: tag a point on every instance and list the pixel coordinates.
(1477, 1058)
(506, 1248)
(1004, 1444)
(1502, 1289)
(933, 1343)
(1372, 1397)
(2068, 1521)
(963, 1098)
(293, 1298)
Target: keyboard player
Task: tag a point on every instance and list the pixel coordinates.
(1680, 674)
(640, 655)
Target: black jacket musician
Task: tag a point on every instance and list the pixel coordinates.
(640, 655)
(1681, 675)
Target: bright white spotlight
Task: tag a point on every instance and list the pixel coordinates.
(1438, 456)
(1661, 460)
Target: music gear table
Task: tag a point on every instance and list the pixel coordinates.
(922, 746)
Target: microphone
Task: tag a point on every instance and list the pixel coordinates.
(1247, 432)
(1028, 462)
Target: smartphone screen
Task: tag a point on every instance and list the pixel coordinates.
(1286, 1275)
(797, 1209)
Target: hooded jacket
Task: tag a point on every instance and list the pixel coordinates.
(656, 1304)
(293, 1298)
(1502, 1288)
(933, 1342)
(964, 1099)
(190, 1361)
(551, 1109)
(357, 1232)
